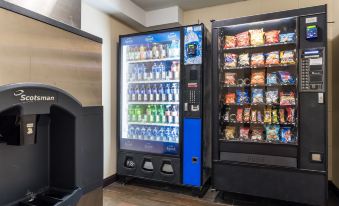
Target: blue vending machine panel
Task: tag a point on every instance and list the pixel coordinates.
(192, 152)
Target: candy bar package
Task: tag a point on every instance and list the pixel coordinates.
(286, 134)
(272, 78)
(272, 58)
(268, 115)
(285, 77)
(257, 59)
(257, 96)
(239, 114)
(244, 133)
(230, 42)
(272, 132)
(230, 98)
(257, 133)
(230, 60)
(287, 38)
(282, 115)
(244, 60)
(287, 98)
(272, 96)
(287, 57)
(272, 37)
(290, 114)
(275, 118)
(254, 116)
(242, 97)
(259, 117)
(230, 133)
(257, 37)
(230, 78)
(258, 78)
(247, 114)
(243, 39)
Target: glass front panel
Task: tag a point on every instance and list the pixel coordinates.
(150, 80)
(258, 82)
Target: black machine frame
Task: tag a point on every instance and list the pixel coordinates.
(174, 159)
(305, 183)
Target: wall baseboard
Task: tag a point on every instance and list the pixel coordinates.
(332, 187)
(109, 180)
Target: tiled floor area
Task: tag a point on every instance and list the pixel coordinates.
(136, 194)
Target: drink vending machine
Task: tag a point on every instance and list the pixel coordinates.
(269, 101)
(163, 123)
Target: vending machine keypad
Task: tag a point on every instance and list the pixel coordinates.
(312, 70)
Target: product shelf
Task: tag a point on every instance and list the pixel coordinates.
(153, 81)
(242, 141)
(158, 103)
(259, 67)
(153, 60)
(260, 46)
(153, 124)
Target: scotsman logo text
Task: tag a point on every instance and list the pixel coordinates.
(32, 98)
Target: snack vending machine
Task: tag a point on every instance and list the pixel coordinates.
(163, 90)
(269, 101)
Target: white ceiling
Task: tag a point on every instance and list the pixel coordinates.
(183, 4)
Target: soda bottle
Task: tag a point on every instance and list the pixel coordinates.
(142, 133)
(149, 135)
(148, 114)
(138, 111)
(154, 93)
(149, 52)
(157, 73)
(160, 93)
(130, 92)
(175, 91)
(175, 114)
(148, 93)
(168, 114)
(164, 51)
(130, 113)
(155, 114)
(155, 51)
(153, 71)
(145, 73)
(137, 53)
(167, 96)
(168, 134)
(162, 70)
(141, 71)
(137, 93)
(142, 92)
(137, 132)
(131, 132)
(175, 134)
(129, 54)
(161, 113)
(170, 71)
(142, 52)
(155, 133)
(161, 134)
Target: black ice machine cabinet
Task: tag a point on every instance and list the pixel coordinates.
(269, 101)
(50, 146)
(164, 115)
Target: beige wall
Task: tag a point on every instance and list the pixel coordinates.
(100, 24)
(254, 7)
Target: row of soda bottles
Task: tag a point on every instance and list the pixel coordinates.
(165, 114)
(164, 134)
(153, 51)
(154, 92)
(160, 71)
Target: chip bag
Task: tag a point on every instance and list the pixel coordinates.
(257, 133)
(286, 134)
(230, 60)
(272, 132)
(244, 133)
(257, 37)
(272, 58)
(257, 96)
(247, 114)
(272, 37)
(258, 78)
(230, 132)
(244, 60)
(287, 98)
(230, 78)
(287, 57)
(243, 39)
(257, 60)
(230, 42)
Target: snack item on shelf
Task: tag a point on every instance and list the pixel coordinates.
(290, 115)
(286, 77)
(254, 116)
(244, 60)
(226, 116)
(230, 98)
(272, 96)
(245, 81)
(258, 78)
(247, 114)
(272, 78)
(230, 78)
(257, 37)
(242, 97)
(259, 117)
(272, 37)
(230, 60)
(230, 132)
(287, 38)
(272, 58)
(257, 133)
(286, 134)
(239, 114)
(257, 59)
(282, 115)
(244, 132)
(230, 42)
(268, 115)
(257, 96)
(275, 116)
(272, 132)
(287, 57)
(287, 98)
(243, 39)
